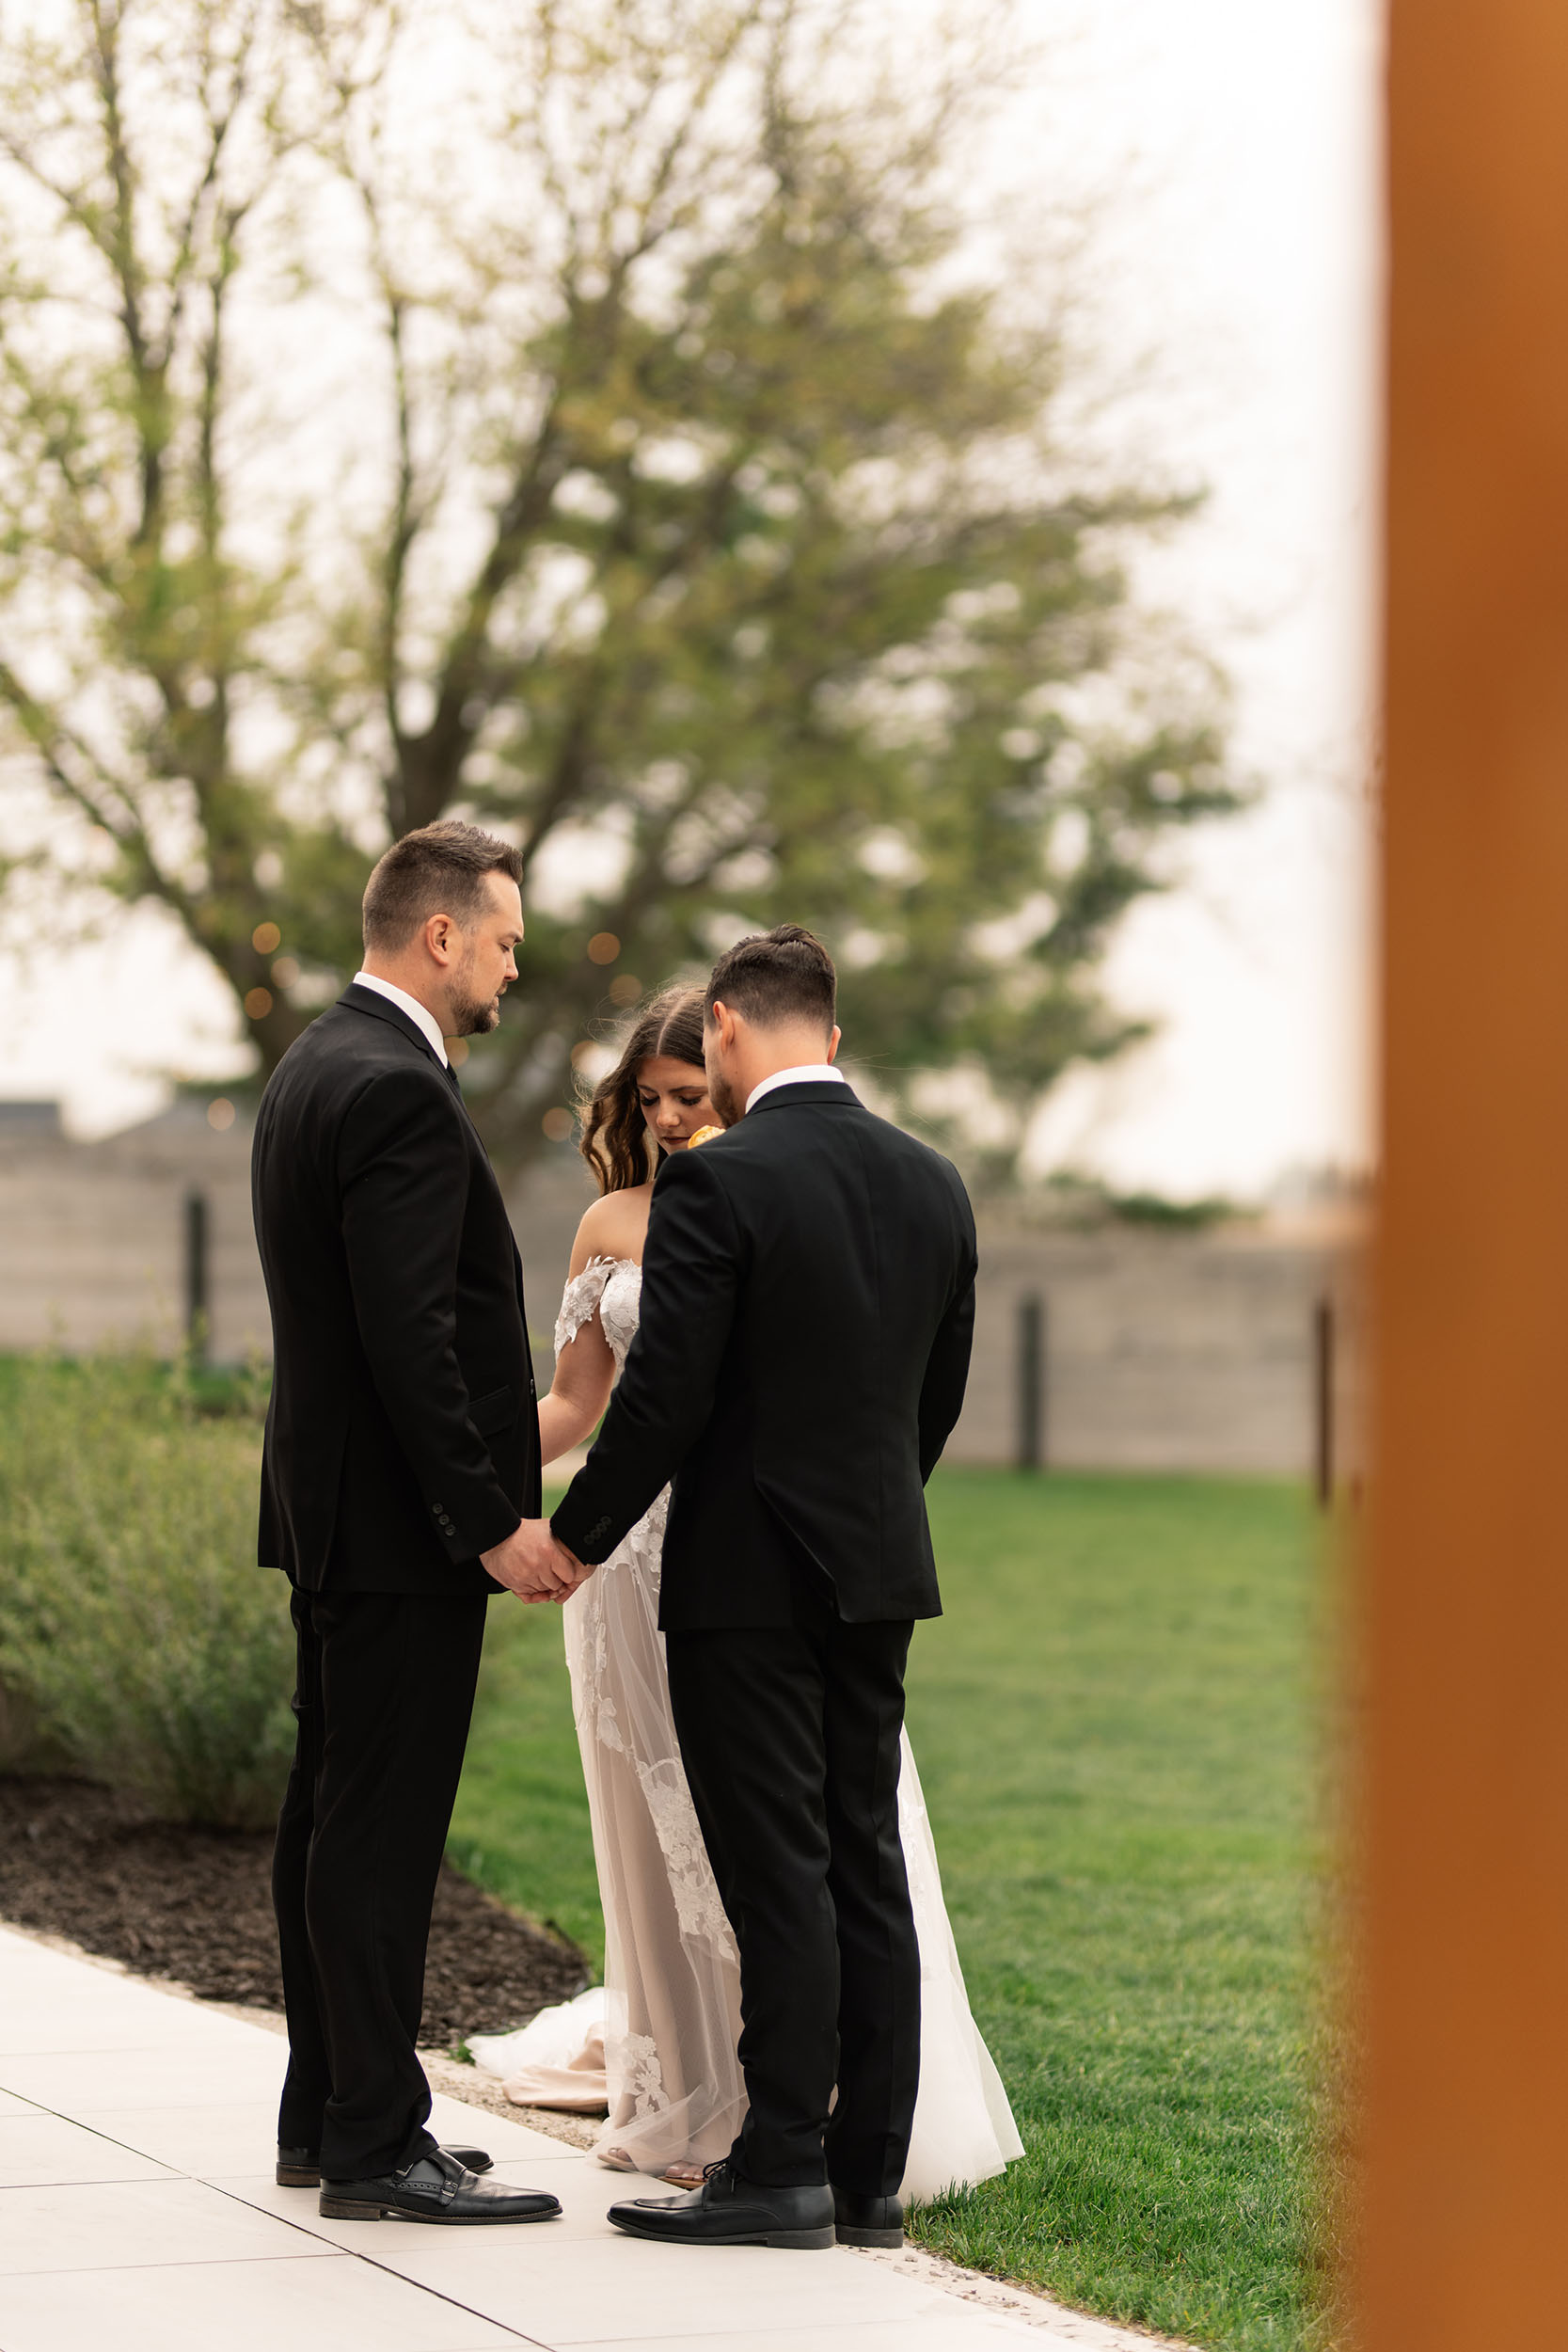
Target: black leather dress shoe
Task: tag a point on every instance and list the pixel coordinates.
(867, 2220)
(730, 2210)
(299, 2169)
(434, 2189)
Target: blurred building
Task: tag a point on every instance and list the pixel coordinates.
(1111, 1346)
(1237, 1348)
(106, 1241)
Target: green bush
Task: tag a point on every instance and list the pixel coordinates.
(134, 1620)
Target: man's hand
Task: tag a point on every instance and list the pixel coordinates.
(533, 1565)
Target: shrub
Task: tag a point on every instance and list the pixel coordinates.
(134, 1620)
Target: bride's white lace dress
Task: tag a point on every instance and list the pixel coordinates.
(671, 2013)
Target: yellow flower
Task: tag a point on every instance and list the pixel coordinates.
(701, 1135)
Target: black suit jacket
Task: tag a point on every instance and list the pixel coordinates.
(403, 1436)
(808, 1302)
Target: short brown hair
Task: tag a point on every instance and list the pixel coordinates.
(615, 1140)
(776, 977)
(438, 870)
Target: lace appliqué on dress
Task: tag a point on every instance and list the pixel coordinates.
(596, 1713)
(621, 1308)
(580, 1298)
(613, 1288)
(634, 2062)
(691, 1882)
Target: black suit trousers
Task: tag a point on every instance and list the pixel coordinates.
(790, 1736)
(385, 1691)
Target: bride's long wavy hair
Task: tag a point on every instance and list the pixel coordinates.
(614, 1137)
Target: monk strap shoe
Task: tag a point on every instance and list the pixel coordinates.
(730, 2210)
(299, 2169)
(867, 2220)
(434, 2189)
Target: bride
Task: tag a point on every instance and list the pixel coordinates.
(672, 2013)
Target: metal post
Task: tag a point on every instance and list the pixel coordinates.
(196, 1274)
(1030, 1383)
(1323, 1400)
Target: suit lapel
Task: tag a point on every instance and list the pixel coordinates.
(380, 1008)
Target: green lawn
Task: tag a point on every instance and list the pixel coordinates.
(1115, 1728)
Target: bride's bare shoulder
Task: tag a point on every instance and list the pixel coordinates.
(614, 1227)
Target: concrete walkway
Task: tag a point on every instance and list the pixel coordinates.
(138, 2213)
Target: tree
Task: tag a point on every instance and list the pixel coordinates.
(626, 465)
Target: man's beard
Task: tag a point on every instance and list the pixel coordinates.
(731, 1110)
(471, 1016)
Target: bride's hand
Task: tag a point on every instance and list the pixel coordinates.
(580, 1570)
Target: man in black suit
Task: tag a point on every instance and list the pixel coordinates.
(402, 1450)
(808, 1288)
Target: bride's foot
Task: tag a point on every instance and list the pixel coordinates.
(616, 2159)
(684, 2175)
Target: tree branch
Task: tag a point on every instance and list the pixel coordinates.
(51, 741)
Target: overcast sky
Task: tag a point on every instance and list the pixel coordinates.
(1229, 150)
(1243, 248)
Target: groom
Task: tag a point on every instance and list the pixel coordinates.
(402, 1447)
(808, 1294)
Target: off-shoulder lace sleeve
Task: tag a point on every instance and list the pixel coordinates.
(580, 1301)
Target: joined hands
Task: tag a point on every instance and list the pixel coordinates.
(531, 1564)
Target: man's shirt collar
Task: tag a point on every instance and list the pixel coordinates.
(808, 1074)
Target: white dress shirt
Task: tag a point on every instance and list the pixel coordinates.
(808, 1074)
(423, 1020)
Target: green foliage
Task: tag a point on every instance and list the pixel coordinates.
(691, 515)
(520, 1826)
(1068, 1198)
(1115, 1728)
(1155, 1209)
(132, 1617)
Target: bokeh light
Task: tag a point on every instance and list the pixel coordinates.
(557, 1123)
(285, 972)
(603, 947)
(258, 1003)
(220, 1114)
(625, 989)
(265, 937)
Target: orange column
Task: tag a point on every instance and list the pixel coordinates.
(1466, 2126)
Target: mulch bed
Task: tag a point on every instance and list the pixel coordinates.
(196, 1905)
